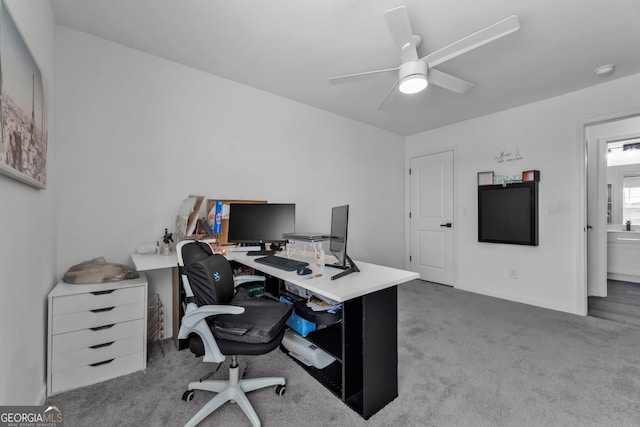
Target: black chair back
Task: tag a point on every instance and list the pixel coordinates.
(210, 276)
(195, 251)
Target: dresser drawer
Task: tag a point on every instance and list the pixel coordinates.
(86, 375)
(96, 354)
(71, 341)
(97, 318)
(98, 299)
(96, 332)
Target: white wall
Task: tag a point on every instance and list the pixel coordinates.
(546, 136)
(137, 134)
(27, 233)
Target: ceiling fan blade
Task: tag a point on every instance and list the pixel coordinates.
(391, 92)
(349, 77)
(477, 39)
(400, 28)
(448, 81)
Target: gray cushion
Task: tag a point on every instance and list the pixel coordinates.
(261, 322)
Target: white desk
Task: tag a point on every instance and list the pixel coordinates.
(364, 341)
(145, 262)
(371, 277)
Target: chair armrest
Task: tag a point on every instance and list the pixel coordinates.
(191, 318)
(194, 321)
(239, 280)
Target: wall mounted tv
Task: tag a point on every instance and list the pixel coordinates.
(508, 213)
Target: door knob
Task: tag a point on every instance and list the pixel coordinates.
(448, 225)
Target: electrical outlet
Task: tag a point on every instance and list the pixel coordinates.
(513, 273)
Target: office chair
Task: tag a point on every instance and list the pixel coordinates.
(220, 321)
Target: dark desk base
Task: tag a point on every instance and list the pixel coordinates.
(365, 344)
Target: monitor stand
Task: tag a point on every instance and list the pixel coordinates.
(349, 267)
(262, 251)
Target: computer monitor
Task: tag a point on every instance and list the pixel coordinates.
(338, 241)
(260, 223)
(339, 228)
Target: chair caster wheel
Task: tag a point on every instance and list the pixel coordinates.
(281, 390)
(188, 396)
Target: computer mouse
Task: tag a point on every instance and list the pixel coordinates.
(304, 271)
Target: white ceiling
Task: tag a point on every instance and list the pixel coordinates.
(291, 48)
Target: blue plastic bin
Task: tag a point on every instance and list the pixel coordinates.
(297, 323)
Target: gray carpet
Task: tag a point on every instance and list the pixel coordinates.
(464, 360)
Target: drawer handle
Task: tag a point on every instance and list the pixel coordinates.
(104, 362)
(103, 292)
(100, 328)
(107, 344)
(102, 310)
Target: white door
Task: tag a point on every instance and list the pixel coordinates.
(431, 217)
(596, 217)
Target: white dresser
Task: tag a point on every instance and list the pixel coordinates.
(96, 332)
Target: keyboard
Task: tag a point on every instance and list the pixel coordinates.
(282, 263)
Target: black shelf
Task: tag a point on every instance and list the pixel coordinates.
(329, 339)
(364, 343)
(330, 377)
(355, 402)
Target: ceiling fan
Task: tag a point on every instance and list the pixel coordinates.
(414, 74)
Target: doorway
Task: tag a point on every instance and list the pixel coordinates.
(613, 273)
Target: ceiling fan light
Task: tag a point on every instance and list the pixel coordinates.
(413, 84)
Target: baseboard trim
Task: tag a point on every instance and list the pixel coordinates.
(623, 277)
(527, 301)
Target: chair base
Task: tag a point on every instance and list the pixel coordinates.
(234, 390)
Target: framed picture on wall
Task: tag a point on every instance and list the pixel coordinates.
(532, 175)
(485, 178)
(23, 108)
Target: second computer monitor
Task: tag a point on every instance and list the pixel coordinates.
(339, 227)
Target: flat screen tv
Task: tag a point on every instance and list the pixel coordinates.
(508, 213)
